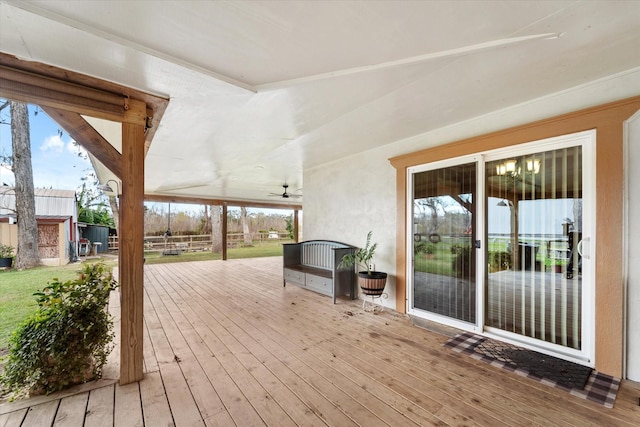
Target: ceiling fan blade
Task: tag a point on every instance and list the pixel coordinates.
(285, 195)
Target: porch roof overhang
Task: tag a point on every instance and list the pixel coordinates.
(245, 97)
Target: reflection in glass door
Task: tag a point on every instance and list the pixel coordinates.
(534, 226)
(444, 278)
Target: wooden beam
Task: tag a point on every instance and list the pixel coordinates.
(132, 253)
(156, 105)
(88, 137)
(218, 202)
(33, 88)
(224, 231)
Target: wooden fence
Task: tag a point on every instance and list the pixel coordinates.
(195, 243)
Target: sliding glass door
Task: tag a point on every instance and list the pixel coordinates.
(534, 214)
(502, 243)
(444, 277)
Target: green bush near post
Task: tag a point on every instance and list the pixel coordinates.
(67, 340)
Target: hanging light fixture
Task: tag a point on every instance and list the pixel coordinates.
(513, 167)
(107, 188)
(168, 232)
(533, 165)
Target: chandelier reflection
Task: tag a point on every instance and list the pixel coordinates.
(513, 167)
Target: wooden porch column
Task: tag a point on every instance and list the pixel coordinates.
(295, 226)
(131, 253)
(224, 231)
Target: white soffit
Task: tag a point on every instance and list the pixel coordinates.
(261, 91)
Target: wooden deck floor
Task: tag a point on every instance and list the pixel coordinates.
(227, 345)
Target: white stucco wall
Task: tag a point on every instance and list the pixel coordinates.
(365, 201)
(343, 200)
(633, 244)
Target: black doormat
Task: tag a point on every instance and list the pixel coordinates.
(565, 373)
(580, 381)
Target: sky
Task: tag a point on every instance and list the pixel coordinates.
(55, 160)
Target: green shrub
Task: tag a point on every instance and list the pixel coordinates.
(67, 340)
(499, 260)
(6, 251)
(424, 248)
(461, 264)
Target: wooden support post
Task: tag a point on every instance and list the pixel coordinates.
(131, 259)
(295, 225)
(224, 231)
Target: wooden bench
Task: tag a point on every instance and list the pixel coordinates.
(313, 265)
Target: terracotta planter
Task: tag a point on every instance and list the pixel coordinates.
(372, 284)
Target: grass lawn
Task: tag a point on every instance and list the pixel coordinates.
(17, 287)
(259, 249)
(16, 294)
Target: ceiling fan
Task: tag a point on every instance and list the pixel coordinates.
(285, 195)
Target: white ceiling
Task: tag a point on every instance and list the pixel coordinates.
(262, 90)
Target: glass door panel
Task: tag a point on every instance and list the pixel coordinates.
(444, 273)
(534, 225)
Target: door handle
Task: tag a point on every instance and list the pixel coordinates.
(583, 248)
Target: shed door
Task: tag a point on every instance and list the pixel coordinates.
(48, 241)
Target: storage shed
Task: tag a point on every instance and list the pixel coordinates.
(57, 217)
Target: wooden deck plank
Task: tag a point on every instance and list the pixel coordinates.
(150, 361)
(247, 295)
(13, 419)
(223, 392)
(226, 344)
(183, 406)
(198, 377)
(100, 407)
(111, 369)
(155, 406)
(325, 370)
(299, 412)
(37, 400)
(574, 410)
(41, 415)
(499, 394)
(161, 348)
(587, 403)
(233, 329)
(317, 399)
(371, 346)
(513, 386)
(309, 344)
(228, 352)
(71, 411)
(127, 411)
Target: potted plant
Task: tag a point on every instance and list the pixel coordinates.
(371, 282)
(6, 256)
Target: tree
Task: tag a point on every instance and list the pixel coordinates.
(216, 229)
(91, 178)
(290, 228)
(27, 255)
(245, 227)
(92, 208)
(115, 211)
